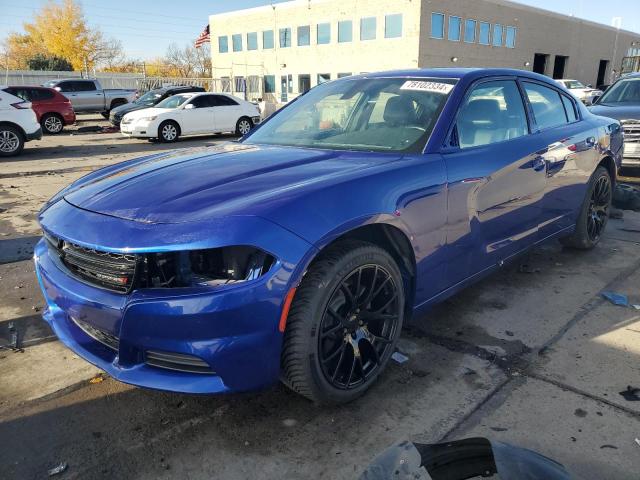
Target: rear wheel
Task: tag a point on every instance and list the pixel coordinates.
(114, 104)
(11, 141)
(52, 123)
(168, 131)
(594, 212)
(344, 323)
(243, 126)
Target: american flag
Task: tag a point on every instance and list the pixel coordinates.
(203, 38)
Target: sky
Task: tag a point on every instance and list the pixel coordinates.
(147, 27)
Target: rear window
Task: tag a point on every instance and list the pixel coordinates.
(548, 108)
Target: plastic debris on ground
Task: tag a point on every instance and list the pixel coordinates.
(631, 394)
(399, 357)
(97, 379)
(61, 467)
(616, 298)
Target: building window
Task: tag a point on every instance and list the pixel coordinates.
(225, 84)
(223, 44)
(393, 25)
(324, 33)
(345, 31)
(485, 33)
(323, 77)
(236, 41)
(304, 83)
(510, 37)
(497, 35)
(252, 41)
(304, 36)
(269, 84)
(455, 24)
(267, 39)
(285, 37)
(437, 25)
(368, 28)
(470, 31)
(342, 75)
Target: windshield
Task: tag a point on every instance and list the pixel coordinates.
(173, 102)
(149, 98)
(623, 91)
(382, 114)
(573, 84)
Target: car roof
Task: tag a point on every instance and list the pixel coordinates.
(631, 75)
(455, 73)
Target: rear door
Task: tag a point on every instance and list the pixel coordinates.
(88, 95)
(568, 146)
(200, 118)
(496, 179)
(227, 112)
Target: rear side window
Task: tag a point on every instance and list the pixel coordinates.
(66, 86)
(221, 100)
(548, 108)
(492, 113)
(84, 86)
(41, 94)
(23, 93)
(570, 109)
(203, 101)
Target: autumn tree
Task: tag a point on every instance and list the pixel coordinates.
(60, 29)
(49, 62)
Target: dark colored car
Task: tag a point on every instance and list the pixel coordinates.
(149, 99)
(299, 252)
(53, 110)
(622, 102)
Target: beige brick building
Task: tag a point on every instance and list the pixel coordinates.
(278, 51)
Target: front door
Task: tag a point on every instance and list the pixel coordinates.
(496, 180)
(199, 117)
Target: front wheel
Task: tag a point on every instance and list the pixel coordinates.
(243, 126)
(168, 131)
(11, 141)
(344, 323)
(594, 212)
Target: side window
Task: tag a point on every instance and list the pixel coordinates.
(225, 100)
(203, 101)
(85, 86)
(23, 93)
(546, 104)
(67, 86)
(41, 94)
(492, 113)
(570, 108)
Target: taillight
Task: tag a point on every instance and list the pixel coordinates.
(22, 105)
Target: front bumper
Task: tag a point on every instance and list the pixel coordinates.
(139, 129)
(233, 329)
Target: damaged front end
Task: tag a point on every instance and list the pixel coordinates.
(461, 460)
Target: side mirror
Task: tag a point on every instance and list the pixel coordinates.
(189, 106)
(589, 86)
(57, 89)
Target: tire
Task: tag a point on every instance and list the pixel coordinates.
(52, 123)
(168, 131)
(11, 141)
(594, 212)
(319, 358)
(114, 104)
(244, 126)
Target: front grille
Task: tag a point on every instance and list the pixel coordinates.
(101, 336)
(631, 131)
(180, 362)
(113, 271)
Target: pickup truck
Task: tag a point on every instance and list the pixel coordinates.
(89, 96)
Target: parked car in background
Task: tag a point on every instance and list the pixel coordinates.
(53, 110)
(18, 124)
(622, 102)
(191, 114)
(149, 99)
(89, 96)
(299, 252)
(585, 93)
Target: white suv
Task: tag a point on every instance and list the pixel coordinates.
(18, 124)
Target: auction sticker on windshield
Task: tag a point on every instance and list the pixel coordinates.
(436, 87)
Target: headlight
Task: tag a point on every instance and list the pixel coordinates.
(148, 119)
(211, 267)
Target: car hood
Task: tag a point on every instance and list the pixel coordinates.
(229, 179)
(618, 112)
(127, 108)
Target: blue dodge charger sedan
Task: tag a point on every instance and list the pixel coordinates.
(298, 252)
